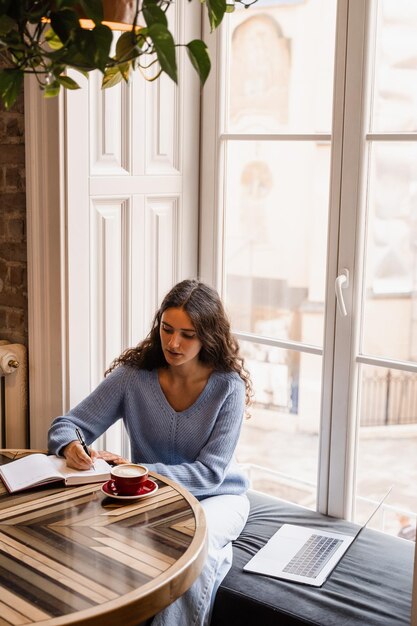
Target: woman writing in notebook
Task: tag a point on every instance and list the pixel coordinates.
(181, 394)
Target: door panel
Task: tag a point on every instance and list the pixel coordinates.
(132, 162)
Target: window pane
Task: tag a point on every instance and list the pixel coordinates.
(390, 306)
(395, 82)
(387, 447)
(281, 436)
(276, 238)
(281, 66)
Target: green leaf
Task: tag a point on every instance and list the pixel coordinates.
(126, 46)
(93, 47)
(10, 84)
(61, 4)
(153, 14)
(4, 5)
(85, 44)
(65, 24)
(125, 70)
(52, 90)
(165, 49)
(68, 82)
(6, 24)
(112, 76)
(71, 57)
(103, 37)
(14, 9)
(141, 35)
(53, 40)
(12, 41)
(64, 4)
(197, 51)
(93, 9)
(216, 10)
(57, 70)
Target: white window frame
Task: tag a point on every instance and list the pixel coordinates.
(212, 220)
(338, 427)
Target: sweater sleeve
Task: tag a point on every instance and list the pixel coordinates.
(204, 475)
(94, 415)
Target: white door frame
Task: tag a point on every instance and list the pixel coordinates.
(45, 183)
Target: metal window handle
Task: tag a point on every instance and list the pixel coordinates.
(342, 282)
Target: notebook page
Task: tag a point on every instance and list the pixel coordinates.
(100, 473)
(30, 470)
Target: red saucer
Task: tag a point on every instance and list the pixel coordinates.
(147, 489)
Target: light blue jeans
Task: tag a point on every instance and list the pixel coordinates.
(225, 516)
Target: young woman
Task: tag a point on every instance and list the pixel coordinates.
(181, 394)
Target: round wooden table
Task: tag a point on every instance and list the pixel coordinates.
(71, 555)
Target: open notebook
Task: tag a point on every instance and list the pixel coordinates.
(39, 469)
(305, 555)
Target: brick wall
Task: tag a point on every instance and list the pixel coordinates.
(13, 269)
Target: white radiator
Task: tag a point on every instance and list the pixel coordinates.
(14, 396)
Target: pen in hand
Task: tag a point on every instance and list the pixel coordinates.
(84, 445)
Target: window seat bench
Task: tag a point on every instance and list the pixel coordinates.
(371, 585)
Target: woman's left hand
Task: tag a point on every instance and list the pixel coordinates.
(110, 457)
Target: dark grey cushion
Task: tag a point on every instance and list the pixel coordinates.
(371, 586)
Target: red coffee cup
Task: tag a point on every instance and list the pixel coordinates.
(129, 477)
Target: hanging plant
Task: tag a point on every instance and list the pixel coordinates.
(46, 37)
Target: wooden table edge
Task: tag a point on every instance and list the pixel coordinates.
(139, 605)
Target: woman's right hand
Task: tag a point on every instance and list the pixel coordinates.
(77, 458)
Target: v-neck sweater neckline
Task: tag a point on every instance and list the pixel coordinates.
(197, 402)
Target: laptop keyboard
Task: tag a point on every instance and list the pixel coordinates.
(313, 556)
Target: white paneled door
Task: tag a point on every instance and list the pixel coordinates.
(129, 218)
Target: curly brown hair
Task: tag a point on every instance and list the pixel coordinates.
(220, 349)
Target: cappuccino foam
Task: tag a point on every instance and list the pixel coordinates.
(129, 472)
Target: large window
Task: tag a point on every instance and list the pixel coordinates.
(315, 179)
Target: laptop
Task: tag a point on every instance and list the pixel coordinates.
(304, 555)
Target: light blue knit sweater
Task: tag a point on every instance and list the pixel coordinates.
(194, 447)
